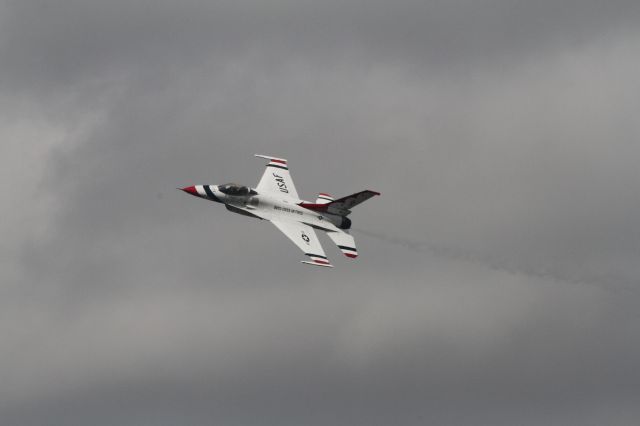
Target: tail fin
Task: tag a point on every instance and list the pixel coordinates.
(324, 198)
(341, 206)
(345, 243)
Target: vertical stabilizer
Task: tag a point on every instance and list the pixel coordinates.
(341, 206)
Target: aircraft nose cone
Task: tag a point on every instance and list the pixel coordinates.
(190, 189)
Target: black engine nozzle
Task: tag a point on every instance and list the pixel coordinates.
(345, 224)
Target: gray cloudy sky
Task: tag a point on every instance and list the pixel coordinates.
(498, 282)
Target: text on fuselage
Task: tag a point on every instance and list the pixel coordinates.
(287, 210)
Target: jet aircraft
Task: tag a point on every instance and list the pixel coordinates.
(275, 199)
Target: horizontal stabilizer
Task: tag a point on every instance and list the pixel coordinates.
(324, 198)
(345, 243)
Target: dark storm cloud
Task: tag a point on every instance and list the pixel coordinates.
(47, 44)
(505, 132)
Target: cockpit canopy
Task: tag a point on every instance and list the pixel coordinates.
(236, 190)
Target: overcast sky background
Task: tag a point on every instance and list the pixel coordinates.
(499, 273)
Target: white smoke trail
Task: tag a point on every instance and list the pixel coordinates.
(456, 253)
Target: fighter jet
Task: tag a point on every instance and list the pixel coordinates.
(275, 199)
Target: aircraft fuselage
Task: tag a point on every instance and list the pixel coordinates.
(271, 207)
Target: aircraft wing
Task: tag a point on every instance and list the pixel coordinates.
(276, 178)
(306, 239)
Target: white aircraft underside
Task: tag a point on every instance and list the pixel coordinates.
(276, 199)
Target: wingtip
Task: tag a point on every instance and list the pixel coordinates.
(270, 157)
(324, 265)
